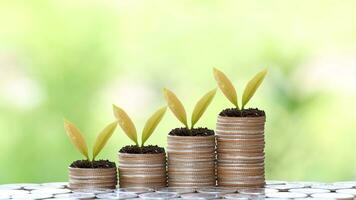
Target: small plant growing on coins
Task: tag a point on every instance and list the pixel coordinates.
(240, 137)
(190, 148)
(178, 110)
(78, 140)
(129, 128)
(141, 165)
(230, 93)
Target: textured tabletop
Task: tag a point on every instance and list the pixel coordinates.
(273, 190)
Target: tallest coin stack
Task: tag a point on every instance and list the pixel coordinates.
(240, 151)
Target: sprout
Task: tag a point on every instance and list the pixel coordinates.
(129, 128)
(229, 91)
(79, 142)
(178, 109)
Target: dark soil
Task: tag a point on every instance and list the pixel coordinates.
(191, 132)
(134, 149)
(93, 164)
(251, 112)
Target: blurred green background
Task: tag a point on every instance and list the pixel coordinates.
(73, 59)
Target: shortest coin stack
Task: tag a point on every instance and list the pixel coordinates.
(191, 161)
(142, 170)
(240, 149)
(83, 178)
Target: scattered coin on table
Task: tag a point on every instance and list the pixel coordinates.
(273, 190)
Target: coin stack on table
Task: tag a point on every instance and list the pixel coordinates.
(240, 151)
(191, 161)
(80, 178)
(142, 170)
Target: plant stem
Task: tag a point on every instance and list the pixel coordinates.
(186, 125)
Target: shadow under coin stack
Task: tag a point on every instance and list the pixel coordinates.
(191, 161)
(82, 178)
(142, 170)
(240, 149)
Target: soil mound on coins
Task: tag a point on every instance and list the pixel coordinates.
(191, 132)
(149, 149)
(93, 164)
(251, 112)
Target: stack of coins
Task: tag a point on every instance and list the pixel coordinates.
(82, 178)
(191, 161)
(142, 170)
(240, 152)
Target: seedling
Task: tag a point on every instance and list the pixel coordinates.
(129, 128)
(78, 140)
(229, 91)
(178, 110)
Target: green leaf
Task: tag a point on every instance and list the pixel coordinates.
(125, 123)
(252, 86)
(226, 86)
(102, 138)
(152, 123)
(202, 105)
(76, 137)
(176, 106)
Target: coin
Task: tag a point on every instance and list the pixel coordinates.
(13, 192)
(351, 184)
(331, 187)
(269, 190)
(136, 190)
(178, 190)
(93, 191)
(240, 196)
(116, 196)
(158, 195)
(309, 191)
(36, 187)
(31, 196)
(4, 197)
(333, 196)
(285, 187)
(200, 196)
(76, 196)
(51, 191)
(10, 187)
(216, 190)
(56, 185)
(252, 191)
(290, 195)
(306, 184)
(347, 191)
